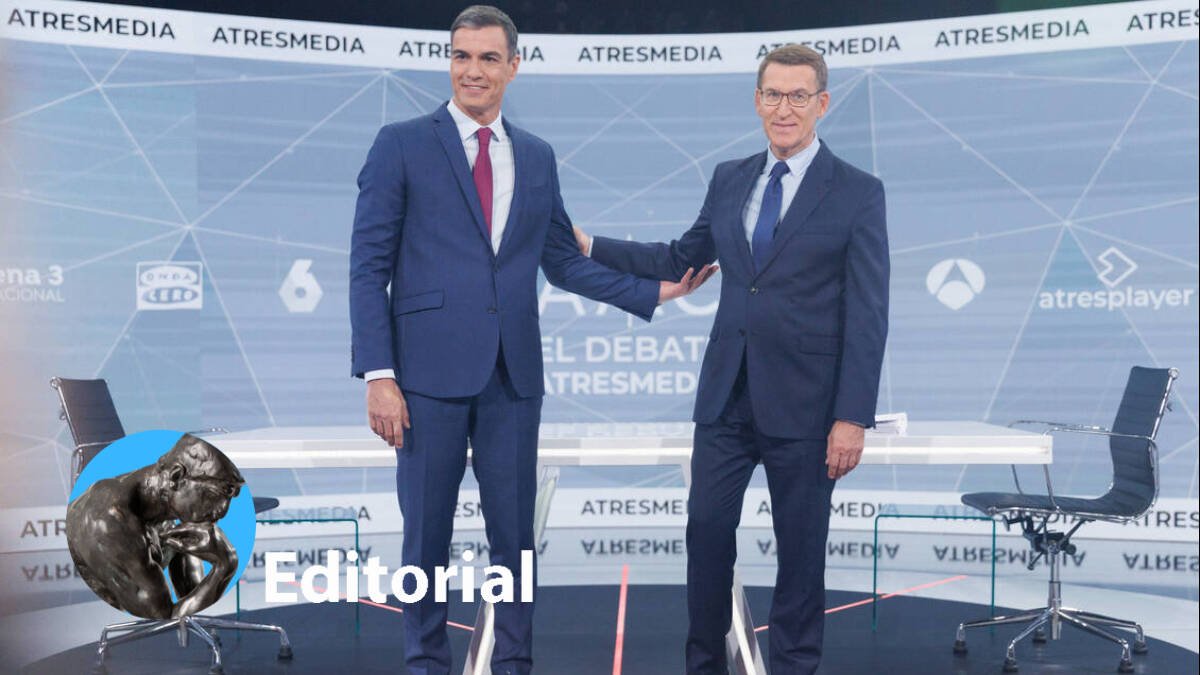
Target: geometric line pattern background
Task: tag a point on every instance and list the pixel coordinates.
(1027, 195)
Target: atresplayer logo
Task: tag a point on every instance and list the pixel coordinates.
(170, 285)
(1113, 269)
(1116, 267)
(955, 282)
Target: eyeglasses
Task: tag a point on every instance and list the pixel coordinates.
(796, 99)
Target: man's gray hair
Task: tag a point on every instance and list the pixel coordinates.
(482, 16)
(797, 55)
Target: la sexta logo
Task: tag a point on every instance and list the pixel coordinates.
(300, 291)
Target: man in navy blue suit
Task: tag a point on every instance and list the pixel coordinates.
(791, 372)
(456, 212)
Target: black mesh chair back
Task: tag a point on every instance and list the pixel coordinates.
(1135, 479)
(1133, 491)
(91, 416)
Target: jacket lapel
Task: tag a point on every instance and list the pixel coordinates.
(813, 189)
(447, 133)
(747, 174)
(520, 150)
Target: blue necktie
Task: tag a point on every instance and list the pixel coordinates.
(768, 215)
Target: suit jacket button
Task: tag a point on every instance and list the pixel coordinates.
(741, 331)
(491, 310)
(754, 290)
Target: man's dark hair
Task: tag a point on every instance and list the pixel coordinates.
(482, 16)
(797, 55)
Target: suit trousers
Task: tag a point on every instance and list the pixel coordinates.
(724, 456)
(503, 431)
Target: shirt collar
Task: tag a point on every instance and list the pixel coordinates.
(467, 126)
(797, 163)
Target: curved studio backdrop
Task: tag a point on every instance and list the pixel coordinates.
(177, 191)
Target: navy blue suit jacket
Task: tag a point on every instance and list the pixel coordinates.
(454, 305)
(812, 323)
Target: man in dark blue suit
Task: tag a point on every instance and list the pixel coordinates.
(456, 211)
(791, 372)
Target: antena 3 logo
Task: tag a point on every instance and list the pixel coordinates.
(955, 282)
(31, 284)
(1113, 268)
(170, 285)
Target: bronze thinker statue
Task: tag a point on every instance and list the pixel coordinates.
(124, 531)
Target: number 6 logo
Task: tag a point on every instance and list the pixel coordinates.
(300, 291)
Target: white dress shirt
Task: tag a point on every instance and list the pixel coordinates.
(503, 181)
(790, 182)
(501, 153)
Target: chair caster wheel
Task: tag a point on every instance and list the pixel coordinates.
(1126, 666)
(1140, 647)
(216, 670)
(99, 669)
(960, 647)
(1010, 665)
(285, 653)
(1039, 637)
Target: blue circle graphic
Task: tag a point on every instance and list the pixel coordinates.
(142, 449)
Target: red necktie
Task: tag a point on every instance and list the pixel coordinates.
(483, 175)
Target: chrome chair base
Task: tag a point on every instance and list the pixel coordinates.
(1054, 618)
(1053, 546)
(203, 627)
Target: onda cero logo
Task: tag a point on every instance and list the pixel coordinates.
(170, 285)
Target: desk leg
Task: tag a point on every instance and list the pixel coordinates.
(483, 638)
(741, 642)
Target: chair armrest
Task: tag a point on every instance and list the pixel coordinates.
(1089, 430)
(1101, 431)
(1049, 484)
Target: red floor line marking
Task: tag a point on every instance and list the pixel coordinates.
(885, 596)
(619, 649)
(931, 584)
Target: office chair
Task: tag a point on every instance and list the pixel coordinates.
(1133, 491)
(91, 417)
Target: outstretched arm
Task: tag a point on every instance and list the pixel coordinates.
(669, 262)
(569, 269)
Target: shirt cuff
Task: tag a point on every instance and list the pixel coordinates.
(591, 243)
(382, 373)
